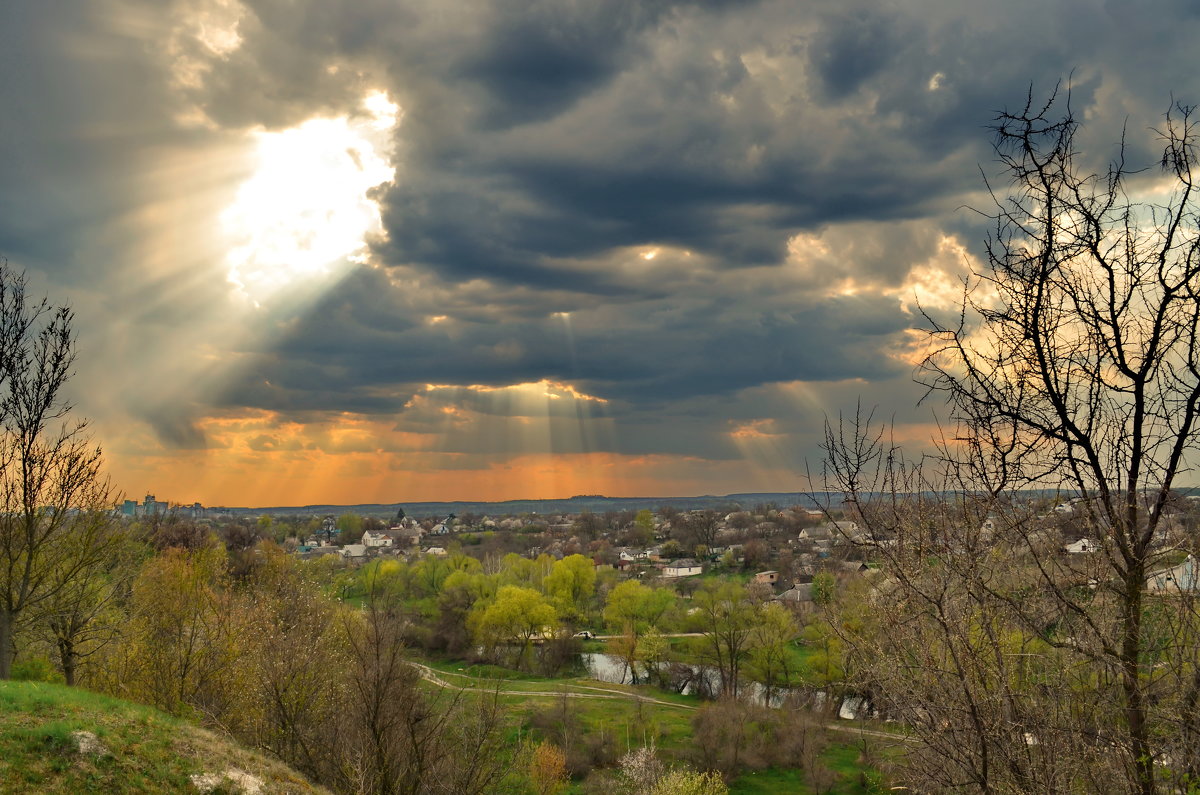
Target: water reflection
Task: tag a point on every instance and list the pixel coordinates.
(706, 680)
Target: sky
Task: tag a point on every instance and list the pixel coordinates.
(352, 251)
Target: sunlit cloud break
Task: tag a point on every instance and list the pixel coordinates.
(306, 210)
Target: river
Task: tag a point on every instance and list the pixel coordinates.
(610, 668)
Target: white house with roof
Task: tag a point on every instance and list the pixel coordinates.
(1081, 546)
(685, 567)
(376, 540)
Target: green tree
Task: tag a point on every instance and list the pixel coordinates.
(641, 531)
(824, 588)
(771, 661)
(86, 614)
(350, 528)
(671, 549)
(527, 572)
(728, 618)
(570, 584)
(461, 591)
(826, 664)
(633, 609)
(181, 647)
(514, 618)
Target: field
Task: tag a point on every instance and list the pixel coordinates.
(627, 717)
(144, 750)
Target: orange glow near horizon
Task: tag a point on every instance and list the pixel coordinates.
(537, 440)
(224, 477)
(258, 458)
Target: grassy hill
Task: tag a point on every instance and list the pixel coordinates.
(43, 749)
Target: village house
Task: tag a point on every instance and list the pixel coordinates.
(768, 577)
(376, 540)
(1080, 546)
(684, 567)
(350, 551)
(798, 597)
(820, 533)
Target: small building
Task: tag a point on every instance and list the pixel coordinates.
(1081, 546)
(375, 540)
(769, 577)
(684, 567)
(354, 551)
(820, 533)
(1176, 579)
(798, 597)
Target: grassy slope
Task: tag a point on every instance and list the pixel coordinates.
(149, 751)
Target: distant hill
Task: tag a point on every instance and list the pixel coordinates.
(596, 503)
(58, 740)
(585, 502)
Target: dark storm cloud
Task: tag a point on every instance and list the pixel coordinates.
(538, 58)
(537, 131)
(367, 343)
(76, 104)
(544, 148)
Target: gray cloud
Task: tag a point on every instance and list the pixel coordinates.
(544, 148)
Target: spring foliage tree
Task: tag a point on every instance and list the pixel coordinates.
(633, 609)
(570, 584)
(513, 619)
(1073, 366)
(53, 498)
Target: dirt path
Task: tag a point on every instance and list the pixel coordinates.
(434, 676)
(664, 635)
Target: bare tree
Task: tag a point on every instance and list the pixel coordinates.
(1072, 372)
(699, 528)
(85, 615)
(53, 498)
(399, 738)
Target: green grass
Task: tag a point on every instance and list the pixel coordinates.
(768, 782)
(844, 760)
(631, 725)
(148, 751)
(856, 779)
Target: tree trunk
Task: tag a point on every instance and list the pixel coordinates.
(1135, 703)
(6, 643)
(66, 658)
